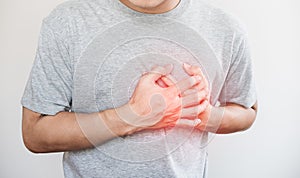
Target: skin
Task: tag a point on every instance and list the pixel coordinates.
(151, 6)
(226, 119)
(157, 102)
(150, 107)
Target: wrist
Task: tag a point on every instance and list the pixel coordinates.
(117, 120)
(225, 122)
(212, 119)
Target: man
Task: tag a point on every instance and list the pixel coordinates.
(105, 141)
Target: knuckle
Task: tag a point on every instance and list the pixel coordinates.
(194, 90)
(195, 112)
(160, 70)
(200, 109)
(191, 81)
(171, 91)
(203, 94)
(196, 69)
(199, 97)
(200, 94)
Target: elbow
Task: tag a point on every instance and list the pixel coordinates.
(34, 143)
(37, 141)
(29, 138)
(248, 124)
(249, 121)
(253, 111)
(36, 146)
(248, 117)
(31, 145)
(33, 138)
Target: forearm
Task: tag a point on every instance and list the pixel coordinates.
(234, 118)
(227, 119)
(67, 131)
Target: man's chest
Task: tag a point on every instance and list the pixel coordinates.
(109, 60)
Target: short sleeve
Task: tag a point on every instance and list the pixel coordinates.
(49, 87)
(239, 86)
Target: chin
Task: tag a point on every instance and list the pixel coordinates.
(146, 3)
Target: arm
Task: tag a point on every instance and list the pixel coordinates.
(227, 119)
(237, 118)
(62, 132)
(150, 107)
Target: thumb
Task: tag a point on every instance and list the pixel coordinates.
(169, 80)
(159, 71)
(191, 70)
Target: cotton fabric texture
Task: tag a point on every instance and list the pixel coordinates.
(89, 57)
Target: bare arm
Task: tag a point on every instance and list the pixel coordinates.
(237, 118)
(62, 132)
(150, 107)
(228, 119)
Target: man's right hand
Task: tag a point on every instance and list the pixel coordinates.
(153, 106)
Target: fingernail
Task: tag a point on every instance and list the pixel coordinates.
(169, 67)
(197, 77)
(197, 121)
(153, 67)
(186, 65)
(206, 102)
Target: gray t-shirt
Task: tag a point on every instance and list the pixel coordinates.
(92, 52)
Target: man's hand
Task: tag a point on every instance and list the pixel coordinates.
(195, 100)
(228, 119)
(153, 106)
(206, 123)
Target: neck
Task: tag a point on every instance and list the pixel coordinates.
(165, 6)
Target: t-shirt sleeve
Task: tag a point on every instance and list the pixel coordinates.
(239, 86)
(49, 87)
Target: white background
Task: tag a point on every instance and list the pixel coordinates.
(270, 149)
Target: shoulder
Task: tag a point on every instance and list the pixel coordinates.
(222, 20)
(62, 12)
(72, 8)
(61, 18)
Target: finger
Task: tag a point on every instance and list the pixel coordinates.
(196, 70)
(185, 84)
(161, 83)
(158, 71)
(188, 123)
(193, 112)
(169, 80)
(189, 92)
(192, 70)
(193, 99)
(200, 86)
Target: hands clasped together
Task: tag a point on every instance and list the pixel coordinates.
(159, 100)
